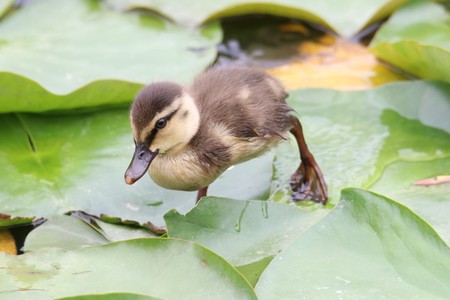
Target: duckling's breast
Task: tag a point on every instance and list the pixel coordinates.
(181, 171)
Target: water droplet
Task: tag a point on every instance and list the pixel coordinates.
(265, 210)
(237, 225)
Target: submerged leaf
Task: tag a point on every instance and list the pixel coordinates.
(334, 63)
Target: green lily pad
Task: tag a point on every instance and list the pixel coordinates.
(77, 162)
(432, 203)
(63, 232)
(355, 135)
(92, 49)
(161, 268)
(20, 94)
(416, 39)
(346, 17)
(367, 246)
(245, 233)
(72, 232)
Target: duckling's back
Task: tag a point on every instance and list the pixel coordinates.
(243, 114)
(249, 102)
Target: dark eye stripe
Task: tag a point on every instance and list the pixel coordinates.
(149, 139)
(168, 117)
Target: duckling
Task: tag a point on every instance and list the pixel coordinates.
(186, 137)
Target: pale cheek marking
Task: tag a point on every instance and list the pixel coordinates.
(182, 127)
(146, 131)
(179, 130)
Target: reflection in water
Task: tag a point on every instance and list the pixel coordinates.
(301, 54)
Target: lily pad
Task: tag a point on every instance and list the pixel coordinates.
(432, 203)
(77, 161)
(245, 233)
(161, 268)
(355, 135)
(73, 232)
(64, 232)
(416, 39)
(92, 48)
(368, 245)
(346, 17)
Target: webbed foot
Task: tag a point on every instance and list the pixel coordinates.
(307, 183)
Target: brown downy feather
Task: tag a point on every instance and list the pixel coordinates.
(247, 103)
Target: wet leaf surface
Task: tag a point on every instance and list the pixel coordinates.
(245, 233)
(368, 245)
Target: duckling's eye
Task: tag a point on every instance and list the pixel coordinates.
(161, 123)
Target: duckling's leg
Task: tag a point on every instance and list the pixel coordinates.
(307, 183)
(201, 193)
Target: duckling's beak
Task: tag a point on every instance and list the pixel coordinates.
(139, 164)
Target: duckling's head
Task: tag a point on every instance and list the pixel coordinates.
(164, 118)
